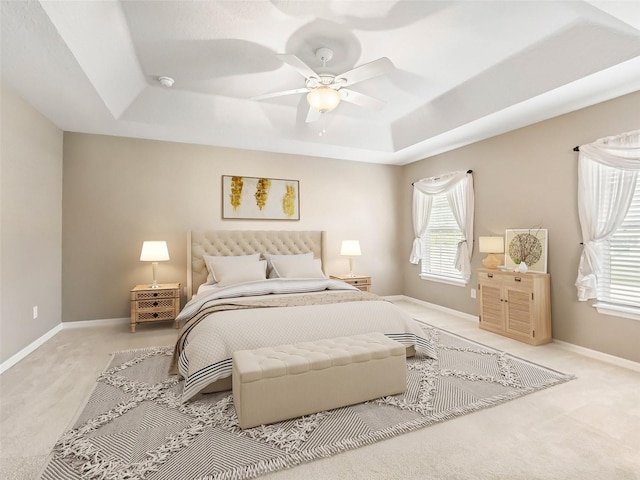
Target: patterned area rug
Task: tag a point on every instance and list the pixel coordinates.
(134, 426)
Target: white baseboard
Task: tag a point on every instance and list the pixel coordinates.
(457, 313)
(587, 352)
(96, 323)
(11, 361)
(603, 357)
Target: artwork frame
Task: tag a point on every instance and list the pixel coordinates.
(516, 239)
(260, 198)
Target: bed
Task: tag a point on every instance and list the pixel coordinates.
(250, 289)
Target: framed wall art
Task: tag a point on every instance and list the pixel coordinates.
(528, 245)
(253, 198)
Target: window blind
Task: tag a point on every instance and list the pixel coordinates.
(620, 283)
(440, 244)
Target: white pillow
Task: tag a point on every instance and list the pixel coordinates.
(231, 273)
(269, 257)
(210, 260)
(298, 267)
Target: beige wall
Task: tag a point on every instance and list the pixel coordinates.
(522, 179)
(119, 192)
(30, 209)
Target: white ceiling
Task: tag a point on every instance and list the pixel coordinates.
(464, 71)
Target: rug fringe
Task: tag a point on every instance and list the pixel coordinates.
(91, 462)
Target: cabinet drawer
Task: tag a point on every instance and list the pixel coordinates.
(156, 304)
(508, 279)
(152, 316)
(359, 282)
(489, 277)
(149, 294)
(523, 281)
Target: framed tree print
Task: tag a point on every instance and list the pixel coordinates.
(527, 245)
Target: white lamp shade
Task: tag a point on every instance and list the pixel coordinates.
(350, 248)
(323, 99)
(491, 244)
(154, 252)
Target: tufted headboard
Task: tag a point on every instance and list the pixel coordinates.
(245, 242)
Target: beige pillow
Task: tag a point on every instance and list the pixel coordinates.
(231, 273)
(269, 257)
(297, 267)
(211, 260)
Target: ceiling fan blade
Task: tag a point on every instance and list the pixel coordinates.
(305, 70)
(280, 94)
(361, 99)
(368, 70)
(313, 115)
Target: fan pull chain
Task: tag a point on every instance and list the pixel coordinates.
(323, 119)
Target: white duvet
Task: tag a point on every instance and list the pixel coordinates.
(208, 340)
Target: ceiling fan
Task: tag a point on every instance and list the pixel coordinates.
(325, 90)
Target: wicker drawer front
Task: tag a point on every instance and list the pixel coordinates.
(146, 294)
(161, 303)
(142, 316)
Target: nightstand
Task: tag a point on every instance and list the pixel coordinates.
(361, 282)
(155, 304)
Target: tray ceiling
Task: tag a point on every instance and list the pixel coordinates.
(464, 71)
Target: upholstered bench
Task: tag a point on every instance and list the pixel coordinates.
(277, 383)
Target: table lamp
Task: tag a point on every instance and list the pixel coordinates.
(154, 252)
(350, 248)
(491, 245)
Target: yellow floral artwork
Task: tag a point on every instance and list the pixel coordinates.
(262, 191)
(236, 192)
(260, 198)
(288, 201)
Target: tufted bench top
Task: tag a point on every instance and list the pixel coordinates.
(294, 359)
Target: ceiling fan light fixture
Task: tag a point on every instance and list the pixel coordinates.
(323, 98)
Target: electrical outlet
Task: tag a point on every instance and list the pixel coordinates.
(35, 312)
(473, 293)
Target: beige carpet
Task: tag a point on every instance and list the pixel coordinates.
(134, 425)
(583, 429)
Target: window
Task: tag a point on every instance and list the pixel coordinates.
(620, 281)
(443, 226)
(440, 242)
(609, 211)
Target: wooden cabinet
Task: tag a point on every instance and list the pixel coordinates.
(155, 304)
(361, 282)
(516, 305)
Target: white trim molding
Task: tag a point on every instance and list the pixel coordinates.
(96, 323)
(603, 357)
(457, 313)
(587, 352)
(11, 361)
(617, 310)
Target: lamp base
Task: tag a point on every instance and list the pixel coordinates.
(154, 267)
(491, 261)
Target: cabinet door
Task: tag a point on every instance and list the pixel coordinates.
(491, 304)
(518, 311)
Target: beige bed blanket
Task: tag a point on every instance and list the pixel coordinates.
(216, 327)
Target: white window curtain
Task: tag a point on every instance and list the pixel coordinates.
(458, 187)
(607, 172)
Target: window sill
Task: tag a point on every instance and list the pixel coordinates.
(618, 311)
(449, 281)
